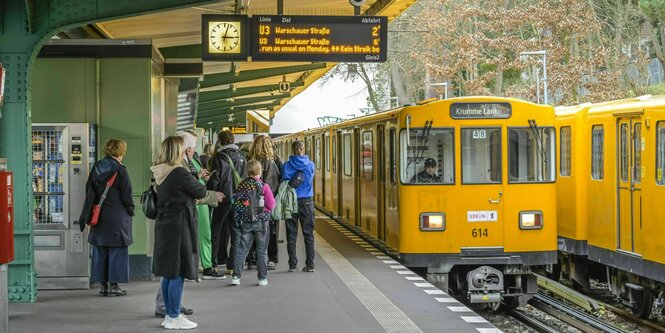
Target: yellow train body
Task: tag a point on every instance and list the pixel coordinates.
(610, 205)
(493, 200)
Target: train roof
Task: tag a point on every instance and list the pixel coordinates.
(628, 105)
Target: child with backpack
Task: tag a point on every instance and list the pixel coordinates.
(252, 203)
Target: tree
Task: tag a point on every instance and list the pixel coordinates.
(654, 12)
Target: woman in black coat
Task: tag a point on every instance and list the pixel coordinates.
(176, 244)
(112, 236)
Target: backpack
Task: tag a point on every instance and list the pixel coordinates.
(248, 202)
(236, 177)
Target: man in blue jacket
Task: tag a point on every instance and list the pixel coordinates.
(300, 170)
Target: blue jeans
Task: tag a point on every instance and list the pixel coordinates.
(172, 291)
(253, 232)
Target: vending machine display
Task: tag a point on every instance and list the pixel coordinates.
(62, 155)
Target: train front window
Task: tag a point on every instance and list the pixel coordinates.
(428, 156)
(531, 155)
(481, 155)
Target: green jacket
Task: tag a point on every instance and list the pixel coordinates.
(286, 202)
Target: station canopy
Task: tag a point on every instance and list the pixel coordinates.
(231, 87)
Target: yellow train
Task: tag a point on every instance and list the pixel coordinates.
(609, 192)
(462, 189)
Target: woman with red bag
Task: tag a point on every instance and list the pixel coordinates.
(112, 235)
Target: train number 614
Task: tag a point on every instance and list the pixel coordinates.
(479, 233)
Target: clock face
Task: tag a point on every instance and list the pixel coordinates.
(224, 37)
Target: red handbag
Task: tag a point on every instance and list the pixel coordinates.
(98, 207)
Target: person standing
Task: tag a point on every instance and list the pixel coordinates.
(299, 169)
(252, 203)
(176, 245)
(262, 151)
(112, 236)
(203, 211)
(208, 151)
(224, 163)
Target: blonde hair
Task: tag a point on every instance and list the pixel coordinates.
(209, 149)
(261, 148)
(254, 168)
(115, 148)
(171, 151)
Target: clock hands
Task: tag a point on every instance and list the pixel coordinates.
(225, 32)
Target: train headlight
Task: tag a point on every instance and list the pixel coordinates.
(531, 219)
(432, 221)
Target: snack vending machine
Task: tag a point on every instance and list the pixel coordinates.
(62, 157)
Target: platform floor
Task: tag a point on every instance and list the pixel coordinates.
(355, 288)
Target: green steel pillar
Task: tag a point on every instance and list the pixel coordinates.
(24, 27)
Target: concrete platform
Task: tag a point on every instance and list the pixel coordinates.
(355, 288)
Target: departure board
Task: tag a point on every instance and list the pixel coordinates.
(319, 38)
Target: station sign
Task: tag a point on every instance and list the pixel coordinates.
(295, 38)
(480, 110)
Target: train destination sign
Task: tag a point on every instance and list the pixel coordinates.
(319, 38)
(294, 38)
(480, 110)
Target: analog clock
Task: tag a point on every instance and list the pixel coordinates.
(225, 37)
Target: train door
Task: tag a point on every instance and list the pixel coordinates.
(323, 157)
(356, 188)
(630, 145)
(381, 182)
(480, 202)
(340, 175)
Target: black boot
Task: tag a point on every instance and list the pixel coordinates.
(104, 289)
(115, 290)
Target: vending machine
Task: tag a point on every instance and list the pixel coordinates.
(62, 157)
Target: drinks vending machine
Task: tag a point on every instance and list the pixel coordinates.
(62, 156)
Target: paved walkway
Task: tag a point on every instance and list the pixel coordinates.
(355, 289)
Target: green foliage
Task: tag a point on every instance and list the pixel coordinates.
(656, 89)
(654, 10)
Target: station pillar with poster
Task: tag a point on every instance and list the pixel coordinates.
(6, 239)
(62, 155)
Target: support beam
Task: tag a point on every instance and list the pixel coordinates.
(216, 95)
(240, 101)
(222, 111)
(30, 15)
(181, 52)
(231, 77)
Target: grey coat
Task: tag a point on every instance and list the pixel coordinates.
(176, 226)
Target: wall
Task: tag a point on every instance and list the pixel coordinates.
(133, 106)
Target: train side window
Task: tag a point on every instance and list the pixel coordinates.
(346, 147)
(429, 157)
(637, 155)
(334, 154)
(660, 153)
(367, 155)
(565, 154)
(481, 155)
(623, 150)
(393, 151)
(326, 156)
(317, 153)
(531, 155)
(597, 152)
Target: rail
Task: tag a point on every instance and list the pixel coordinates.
(572, 316)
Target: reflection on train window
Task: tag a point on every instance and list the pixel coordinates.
(566, 148)
(597, 153)
(623, 149)
(531, 155)
(637, 155)
(317, 155)
(366, 155)
(393, 159)
(660, 153)
(326, 146)
(429, 156)
(481, 155)
(346, 146)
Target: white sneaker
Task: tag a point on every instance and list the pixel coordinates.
(263, 282)
(179, 323)
(235, 281)
(166, 319)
